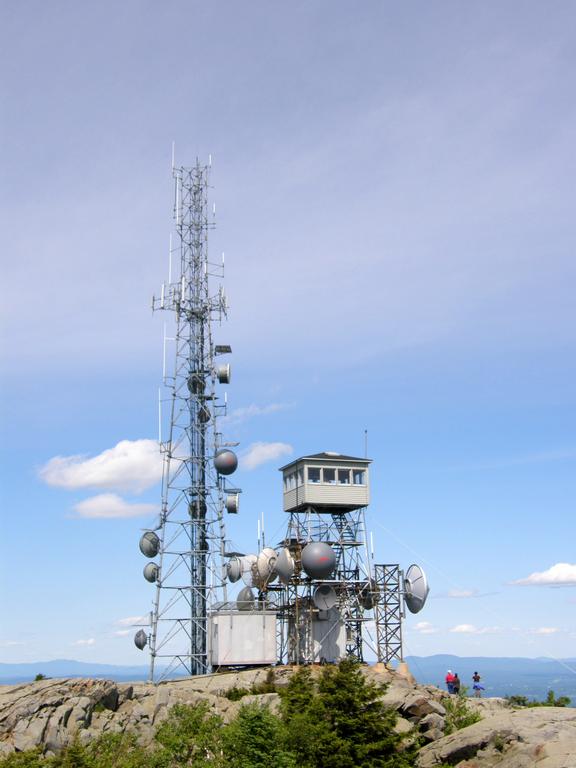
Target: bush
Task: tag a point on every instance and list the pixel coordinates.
(256, 739)
(190, 736)
(458, 713)
(550, 701)
(236, 693)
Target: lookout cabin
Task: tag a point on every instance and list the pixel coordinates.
(329, 482)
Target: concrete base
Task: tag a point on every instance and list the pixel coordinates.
(403, 672)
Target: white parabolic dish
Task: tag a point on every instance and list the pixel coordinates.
(415, 588)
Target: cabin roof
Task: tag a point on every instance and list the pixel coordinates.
(327, 456)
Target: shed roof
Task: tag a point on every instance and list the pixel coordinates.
(327, 456)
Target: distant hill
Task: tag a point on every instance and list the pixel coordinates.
(501, 676)
(20, 673)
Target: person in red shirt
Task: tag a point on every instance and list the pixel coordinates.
(450, 681)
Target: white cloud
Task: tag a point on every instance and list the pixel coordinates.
(457, 593)
(561, 574)
(466, 629)
(260, 453)
(470, 629)
(424, 628)
(544, 631)
(132, 465)
(130, 621)
(240, 415)
(109, 505)
(122, 633)
(89, 641)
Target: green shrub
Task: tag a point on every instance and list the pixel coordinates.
(256, 739)
(458, 713)
(550, 701)
(268, 686)
(236, 693)
(190, 736)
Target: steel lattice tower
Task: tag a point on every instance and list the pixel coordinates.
(346, 534)
(189, 575)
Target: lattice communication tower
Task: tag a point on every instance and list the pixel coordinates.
(188, 543)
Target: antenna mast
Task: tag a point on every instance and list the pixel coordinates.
(189, 540)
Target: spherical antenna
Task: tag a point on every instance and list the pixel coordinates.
(149, 544)
(415, 588)
(325, 597)
(225, 461)
(245, 599)
(234, 569)
(318, 560)
(140, 639)
(151, 572)
(285, 565)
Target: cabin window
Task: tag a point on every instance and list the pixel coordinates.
(300, 477)
(329, 476)
(343, 477)
(313, 474)
(358, 477)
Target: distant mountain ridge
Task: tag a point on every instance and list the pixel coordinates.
(69, 668)
(501, 676)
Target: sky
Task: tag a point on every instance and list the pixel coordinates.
(394, 187)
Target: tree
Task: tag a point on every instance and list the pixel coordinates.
(550, 701)
(341, 722)
(257, 739)
(190, 736)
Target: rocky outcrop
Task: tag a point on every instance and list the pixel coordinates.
(50, 714)
(543, 737)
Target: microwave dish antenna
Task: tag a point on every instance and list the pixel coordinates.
(245, 599)
(234, 569)
(266, 565)
(285, 565)
(249, 573)
(325, 597)
(416, 588)
(149, 544)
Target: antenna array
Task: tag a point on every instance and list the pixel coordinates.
(189, 539)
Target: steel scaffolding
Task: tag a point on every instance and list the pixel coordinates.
(191, 574)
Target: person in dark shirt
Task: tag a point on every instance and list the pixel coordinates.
(477, 687)
(456, 684)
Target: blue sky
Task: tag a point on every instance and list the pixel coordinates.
(394, 187)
